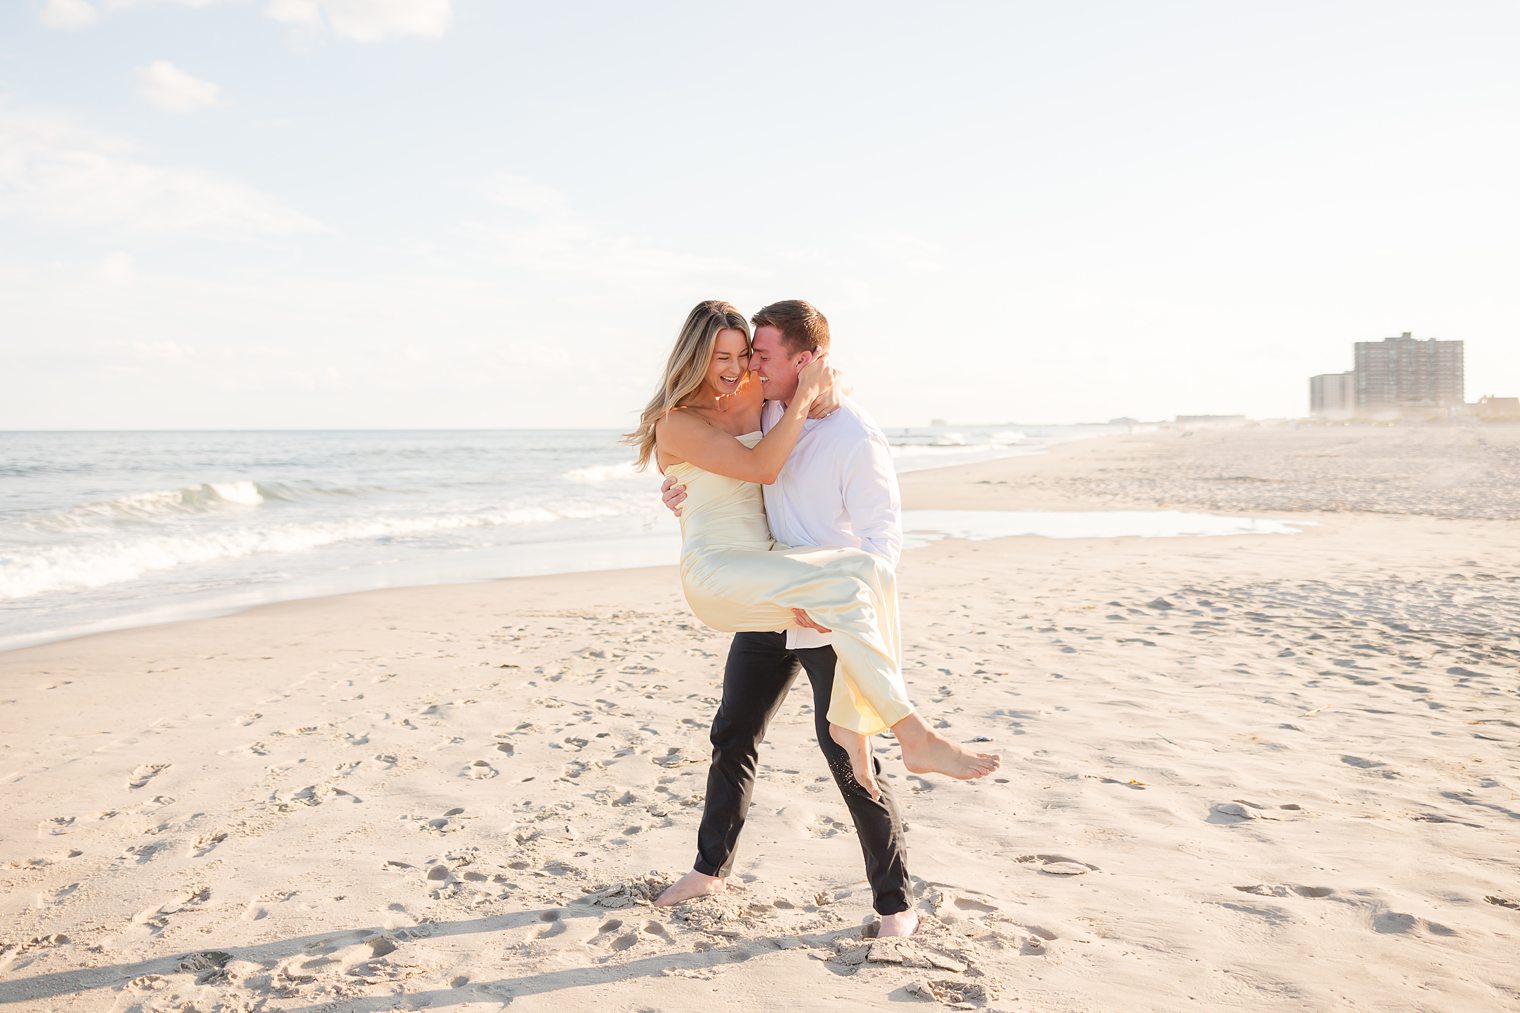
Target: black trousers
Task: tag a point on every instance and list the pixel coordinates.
(759, 673)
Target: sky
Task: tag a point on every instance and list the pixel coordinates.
(480, 214)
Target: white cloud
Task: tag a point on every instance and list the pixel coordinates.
(68, 14)
(56, 172)
(366, 20)
(72, 14)
(168, 87)
(355, 20)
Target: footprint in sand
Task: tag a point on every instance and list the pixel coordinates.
(1285, 890)
(145, 773)
(191, 901)
(612, 936)
(1238, 811)
(1383, 919)
(156, 919)
(972, 904)
(576, 768)
(57, 826)
(257, 908)
(555, 924)
(1058, 865)
(673, 757)
(12, 951)
(1377, 767)
(148, 983)
(208, 966)
(450, 822)
(355, 959)
(313, 795)
(480, 770)
(206, 844)
(954, 992)
(145, 853)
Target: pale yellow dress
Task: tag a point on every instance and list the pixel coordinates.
(739, 580)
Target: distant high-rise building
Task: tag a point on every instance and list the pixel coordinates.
(1332, 395)
(1408, 373)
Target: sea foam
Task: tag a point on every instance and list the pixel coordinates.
(30, 571)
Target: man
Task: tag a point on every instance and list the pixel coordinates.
(838, 488)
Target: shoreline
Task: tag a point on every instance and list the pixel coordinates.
(1058, 477)
(524, 556)
(1238, 770)
(525, 539)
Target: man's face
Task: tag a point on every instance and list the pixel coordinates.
(776, 367)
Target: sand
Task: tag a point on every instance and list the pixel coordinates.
(1245, 772)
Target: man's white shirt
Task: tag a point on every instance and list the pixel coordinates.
(838, 488)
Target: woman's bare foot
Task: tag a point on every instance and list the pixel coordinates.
(859, 749)
(926, 751)
(693, 884)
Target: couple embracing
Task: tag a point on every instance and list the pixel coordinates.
(791, 531)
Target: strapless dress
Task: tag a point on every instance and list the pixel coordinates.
(737, 579)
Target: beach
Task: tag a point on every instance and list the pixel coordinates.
(1257, 771)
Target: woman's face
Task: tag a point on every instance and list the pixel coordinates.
(730, 361)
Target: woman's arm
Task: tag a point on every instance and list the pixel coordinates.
(688, 438)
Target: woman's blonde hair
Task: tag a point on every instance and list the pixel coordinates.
(686, 369)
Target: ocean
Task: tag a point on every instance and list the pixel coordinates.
(107, 530)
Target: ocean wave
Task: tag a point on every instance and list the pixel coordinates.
(40, 570)
(941, 450)
(597, 473)
(956, 439)
(168, 504)
(155, 505)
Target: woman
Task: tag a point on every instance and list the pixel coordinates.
(703, 425)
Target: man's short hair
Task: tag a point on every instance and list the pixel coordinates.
(802, 327)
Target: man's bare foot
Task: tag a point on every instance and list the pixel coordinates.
(693, 884)
(926, 751)
(859, 749)
(904, 923)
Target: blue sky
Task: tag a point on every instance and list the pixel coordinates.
(414, 213)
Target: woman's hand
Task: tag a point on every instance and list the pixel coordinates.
(818, 381)
(828, 402)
